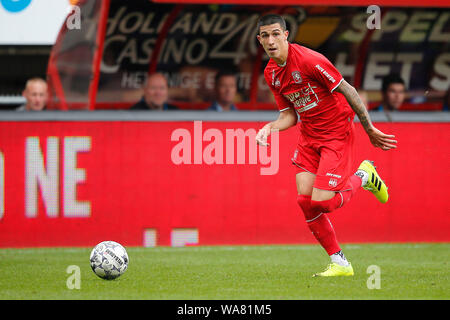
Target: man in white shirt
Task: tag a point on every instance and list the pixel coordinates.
(36, 95)
(226, 89)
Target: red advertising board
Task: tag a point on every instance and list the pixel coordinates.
(150, 183)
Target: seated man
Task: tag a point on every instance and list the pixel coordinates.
(35, 94)
(156, 94)
(446, 104)
(393, 90)
(225, 88)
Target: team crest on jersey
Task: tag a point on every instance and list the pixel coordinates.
(297, 77)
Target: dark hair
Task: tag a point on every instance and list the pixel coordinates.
(224, 73)
(390, 79)
(271, 19)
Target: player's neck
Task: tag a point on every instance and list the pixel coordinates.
(282, 59)
(282, 64)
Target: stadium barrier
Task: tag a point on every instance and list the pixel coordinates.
(75, 179)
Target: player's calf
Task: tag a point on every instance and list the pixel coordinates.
(319, 224)
(322, 229)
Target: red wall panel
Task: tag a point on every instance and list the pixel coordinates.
(132, 184)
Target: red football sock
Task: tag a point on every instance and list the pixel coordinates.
(319, 224)
(323, 231)
(317, 220)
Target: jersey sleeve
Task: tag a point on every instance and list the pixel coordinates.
(282, 103)
(325, 72)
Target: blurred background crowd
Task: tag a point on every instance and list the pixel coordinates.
(141, 55)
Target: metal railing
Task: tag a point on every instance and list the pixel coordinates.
(125, 115)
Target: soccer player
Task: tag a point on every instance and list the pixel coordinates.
(304, 82)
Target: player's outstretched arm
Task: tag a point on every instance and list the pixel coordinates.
(377, 138)
(286, 119)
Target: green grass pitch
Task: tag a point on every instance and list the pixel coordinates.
(407, 271)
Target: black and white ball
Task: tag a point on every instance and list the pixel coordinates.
(109, 260)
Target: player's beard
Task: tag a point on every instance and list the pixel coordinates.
(272, 53)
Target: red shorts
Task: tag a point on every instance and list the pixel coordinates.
(331, 161)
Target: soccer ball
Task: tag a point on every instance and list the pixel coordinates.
(109, 260)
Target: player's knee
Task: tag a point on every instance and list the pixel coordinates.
(304, 201)
(305, 204)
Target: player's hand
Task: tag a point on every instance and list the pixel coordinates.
(261, 137)
(381, 140)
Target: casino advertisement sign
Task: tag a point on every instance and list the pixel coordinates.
(191, 43)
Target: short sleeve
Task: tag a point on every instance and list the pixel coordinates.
(325, 72)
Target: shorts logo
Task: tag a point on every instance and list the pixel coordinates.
(297, 77)
(332, 183)
(295, 155)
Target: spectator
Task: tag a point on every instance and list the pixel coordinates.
(446, 103)
(156, 94)
(35, 94)
(225, 91)
(394, 92)
(364, 97)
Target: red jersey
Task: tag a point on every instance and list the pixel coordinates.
(307, 82)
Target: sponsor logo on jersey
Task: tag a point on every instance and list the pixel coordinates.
(325, 73)
(304, 99)
(333, 175)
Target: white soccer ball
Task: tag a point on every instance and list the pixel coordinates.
(109, 260)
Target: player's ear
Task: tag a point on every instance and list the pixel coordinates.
(258, 37)
(286, 33)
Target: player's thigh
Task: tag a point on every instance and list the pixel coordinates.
(305, 181)
(335, 168)
(322, 195)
